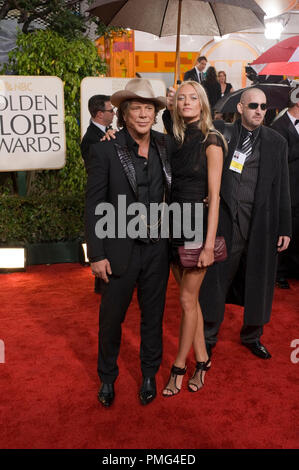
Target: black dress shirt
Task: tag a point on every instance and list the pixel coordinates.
(244, 184)
(149, 174)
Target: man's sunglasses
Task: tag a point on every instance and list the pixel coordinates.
(256, 105)
(112, 110)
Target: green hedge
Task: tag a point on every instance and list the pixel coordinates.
(41, 219)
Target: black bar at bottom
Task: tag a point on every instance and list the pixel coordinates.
(135, 458)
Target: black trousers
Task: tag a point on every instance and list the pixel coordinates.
(97, 285)
(148, 270)
(249, 333)
(288, 261)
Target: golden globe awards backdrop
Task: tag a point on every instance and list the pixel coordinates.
(32, 134)
(107, 86)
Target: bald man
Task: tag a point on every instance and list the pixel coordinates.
(255, 219)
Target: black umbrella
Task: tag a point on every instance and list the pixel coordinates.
(277, 97)
(176, 17)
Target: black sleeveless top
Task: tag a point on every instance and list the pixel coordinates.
(189, 172)
(227, 90)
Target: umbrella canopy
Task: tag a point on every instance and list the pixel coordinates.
(159, 17)
(281, 59)
(277, 97)
(175, 17)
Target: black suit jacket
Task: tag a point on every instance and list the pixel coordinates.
(286, 128)
(93, 135)
(111, 173)
(191, 75)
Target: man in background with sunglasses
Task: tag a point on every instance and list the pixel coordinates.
(255, 219)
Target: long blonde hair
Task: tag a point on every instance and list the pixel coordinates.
(205, 122)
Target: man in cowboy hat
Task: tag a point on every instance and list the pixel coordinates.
(135, 166)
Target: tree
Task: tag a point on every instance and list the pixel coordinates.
(62, 16)
(59, 15)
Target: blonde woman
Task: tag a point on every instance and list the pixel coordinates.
(196, 172)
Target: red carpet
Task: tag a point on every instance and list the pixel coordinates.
(49, 383)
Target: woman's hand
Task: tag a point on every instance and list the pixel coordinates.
(206, 258)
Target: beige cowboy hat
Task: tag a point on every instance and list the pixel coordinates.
(135, 89)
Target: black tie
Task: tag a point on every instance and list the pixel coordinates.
(296, 122)
(247, 145)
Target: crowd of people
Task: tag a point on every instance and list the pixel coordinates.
(241, 183)
(214, 82)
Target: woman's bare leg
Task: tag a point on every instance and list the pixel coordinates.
(200, 351)
(199, 344)
(189, 290)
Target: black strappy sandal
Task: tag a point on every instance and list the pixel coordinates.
(171, 384)
(196, 379)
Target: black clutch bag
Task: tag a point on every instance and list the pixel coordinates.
(189, 256)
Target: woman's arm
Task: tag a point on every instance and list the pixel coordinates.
(215, 163)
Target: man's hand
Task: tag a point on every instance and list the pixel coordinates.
(170, 98)
(109, 134)
(101, 269)
(283, 243)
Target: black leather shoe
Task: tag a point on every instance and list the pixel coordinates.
(282, 283)
(258, 349)
(148, 390)
(106, 394)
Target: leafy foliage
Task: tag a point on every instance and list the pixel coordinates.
(59, 15)
(40, 218)
(103, 30)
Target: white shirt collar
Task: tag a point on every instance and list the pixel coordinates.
(293, 119)
(103, 128)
